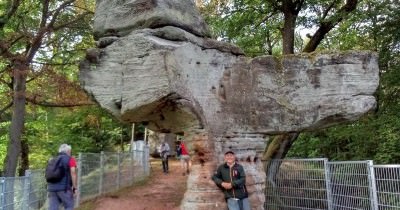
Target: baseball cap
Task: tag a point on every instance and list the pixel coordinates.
(229, 152)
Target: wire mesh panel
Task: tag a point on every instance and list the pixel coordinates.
(13, 194)
(37, 187)
(97, 174)
(296, 184)
(110, 175)
(387, 186)
(90, 175)
(126, 169)
(350, 185)
(141, 165)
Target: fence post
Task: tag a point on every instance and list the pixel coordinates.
(26, 190)
(119, 170)
(372, 185)
(328, 183)
(101, 172)
(2, 193)
(146, 160)
(79, 184)
(132, 167)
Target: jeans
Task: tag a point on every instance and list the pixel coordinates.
(165, 164)
(66, 198)
(236, 204)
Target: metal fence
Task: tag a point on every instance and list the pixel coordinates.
(97, 174)
(296, 184)
(318, 184)
(387, 187)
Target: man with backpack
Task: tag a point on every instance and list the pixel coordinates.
(62, 179)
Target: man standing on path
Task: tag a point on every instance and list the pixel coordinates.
(63, 191)
(164, 152)
(231, 179)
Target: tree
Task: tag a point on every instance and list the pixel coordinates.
(34, 34)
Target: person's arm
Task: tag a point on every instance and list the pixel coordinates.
(217, 177)
(74, 176)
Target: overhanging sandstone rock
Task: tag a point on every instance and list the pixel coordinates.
(180, 84)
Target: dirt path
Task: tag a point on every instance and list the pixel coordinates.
(160, 192)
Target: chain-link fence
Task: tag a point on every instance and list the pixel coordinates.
(97, 174)
(319, 184)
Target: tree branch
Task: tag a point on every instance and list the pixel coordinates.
(45, 13)
(79, 17)
(4, 109)
(325, 13)
(52, 104)
(328, 25)
(14, 7)
(57, 12)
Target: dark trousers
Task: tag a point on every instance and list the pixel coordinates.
(165, 164)
(64, 198)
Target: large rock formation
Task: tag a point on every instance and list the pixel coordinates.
(169, 74)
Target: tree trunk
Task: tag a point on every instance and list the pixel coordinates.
(24, 157)
(18, 118)
(288, 33)
(279, 146)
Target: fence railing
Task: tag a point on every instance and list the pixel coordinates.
(97, 174)
(319, 184)
(291, 184)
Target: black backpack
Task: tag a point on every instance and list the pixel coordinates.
(55, 169)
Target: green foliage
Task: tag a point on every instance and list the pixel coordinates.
(245, 23)
(3, 141)
(86, 129)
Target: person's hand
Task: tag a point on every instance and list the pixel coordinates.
(226, 185)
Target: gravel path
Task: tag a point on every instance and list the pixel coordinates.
(160, 192)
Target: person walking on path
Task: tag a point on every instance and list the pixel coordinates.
(231, 179)
(62, 192)
(164, 152)
(185, 158)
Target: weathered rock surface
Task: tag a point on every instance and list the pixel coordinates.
(177, 84)
(120, 17)
(169, 76)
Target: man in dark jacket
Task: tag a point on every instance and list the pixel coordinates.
(231, 179)
(63, 191)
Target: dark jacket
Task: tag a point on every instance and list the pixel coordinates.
(235, 176)
(66, 181)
